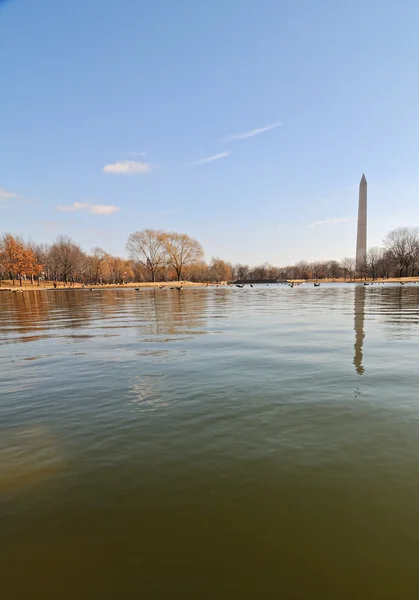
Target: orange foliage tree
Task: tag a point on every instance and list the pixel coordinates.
(17, 260)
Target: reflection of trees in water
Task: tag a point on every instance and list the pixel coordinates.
(75, 307)
(359, 311)
(399, 306)
(26, 312)
(163, 312)
(220, 298)
(173, 312)
(41, 311)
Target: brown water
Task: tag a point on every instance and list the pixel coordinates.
(210, 443)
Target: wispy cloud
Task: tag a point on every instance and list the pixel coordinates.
(5, 195)
(137, 153)
(103, 209)
(251, 133)
(127, 167)
(208, 159)
(330, 221)
(96, 209)
(74, 207)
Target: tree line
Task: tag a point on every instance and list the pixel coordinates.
(155, 255)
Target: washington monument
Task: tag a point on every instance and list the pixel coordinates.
(361, 239)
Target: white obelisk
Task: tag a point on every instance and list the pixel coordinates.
(361, 239)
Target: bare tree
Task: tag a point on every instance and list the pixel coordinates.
(318, 270)
(334, 269)
(148, 247)
(241, 271)
(385, 264)
(198, 272)
(182, 250)
(259, 272)
(42, 253)
(373, 258)
(403, 243)
(272, 273)
(97, 260)
(67, 259)
(348, 267)
(302, 270)
(220, 270)
(119, 270)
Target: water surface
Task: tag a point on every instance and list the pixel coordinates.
(210, 443)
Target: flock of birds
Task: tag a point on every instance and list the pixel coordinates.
(292, 284)
(383, 282)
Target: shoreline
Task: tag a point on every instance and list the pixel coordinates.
(48, 286)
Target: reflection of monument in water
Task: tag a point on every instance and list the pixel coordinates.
(361, 255)
(359, 310)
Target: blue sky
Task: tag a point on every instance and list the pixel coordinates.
(109, 110)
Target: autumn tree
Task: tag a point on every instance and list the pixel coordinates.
(220, 270)
(30, 268)
(148, 247)
(17, 259)
(11, 256)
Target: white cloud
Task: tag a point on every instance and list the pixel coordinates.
(202, 161)
(74, 207)
(103, 209)
(251, 133)
(330, 221)
(5, 195)
(96, 209)
(127, 167)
